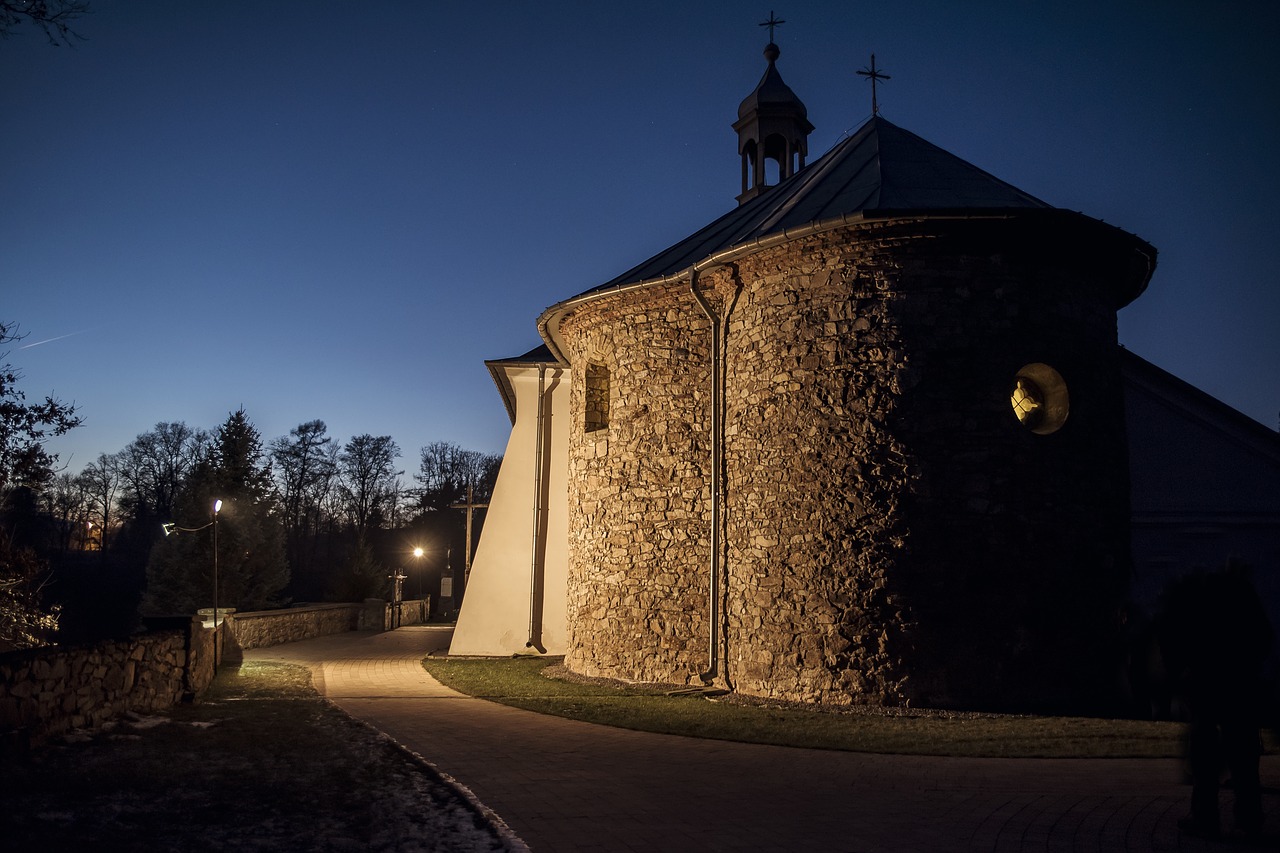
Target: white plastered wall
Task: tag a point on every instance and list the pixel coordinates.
(495, 615)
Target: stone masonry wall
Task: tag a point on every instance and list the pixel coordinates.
(638, 536)
(47, 691)
(272, 627)
(259, 628)
(893, 534)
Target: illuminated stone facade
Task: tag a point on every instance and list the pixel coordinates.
(892, 533)
(859, 440)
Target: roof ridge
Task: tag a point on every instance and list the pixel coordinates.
(880, 168)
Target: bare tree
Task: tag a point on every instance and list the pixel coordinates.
(156, 464)
(446, 470)
(54, 17)
(305, 465)
(102, 483)
(368, 479)
(66, 500)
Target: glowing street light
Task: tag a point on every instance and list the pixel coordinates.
(417, 555)
(169, 529)
(217, 646)
(398, 577)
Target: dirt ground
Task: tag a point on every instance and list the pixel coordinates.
(261, 763)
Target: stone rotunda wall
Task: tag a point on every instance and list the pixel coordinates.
(639, 488)
(892, 532)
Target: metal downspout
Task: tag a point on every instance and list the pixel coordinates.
(714, 665)
(534, 641)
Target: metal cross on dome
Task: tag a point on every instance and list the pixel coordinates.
(772, 24)
(873, 74)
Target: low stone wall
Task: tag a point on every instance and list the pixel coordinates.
(415, 611)
(272, 627)
(47, 691)
(261, 628)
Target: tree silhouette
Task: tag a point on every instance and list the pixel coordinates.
(368, 480)
(24, 427)
(54, 17)
(252, 569)
(446, 469)
(25, 468)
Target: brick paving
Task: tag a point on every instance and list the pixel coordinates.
(562, 785)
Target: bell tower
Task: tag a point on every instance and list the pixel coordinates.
(773, 125)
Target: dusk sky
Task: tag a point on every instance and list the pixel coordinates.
(338, 211)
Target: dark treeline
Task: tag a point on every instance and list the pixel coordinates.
(302, 518)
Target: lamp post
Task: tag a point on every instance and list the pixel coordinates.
(171, 528)
(217, 507)
(398, 577)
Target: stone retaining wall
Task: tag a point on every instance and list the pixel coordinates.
(272, 627)
(47, 691)
(260, 628)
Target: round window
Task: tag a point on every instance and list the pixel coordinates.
(1039, 398)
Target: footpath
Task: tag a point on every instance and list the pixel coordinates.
(561, 785)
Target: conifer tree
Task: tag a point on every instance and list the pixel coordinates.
(252, 569)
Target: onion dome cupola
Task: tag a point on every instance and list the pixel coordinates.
(772, 124)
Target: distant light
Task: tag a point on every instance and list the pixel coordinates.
(217, 507)
(417, 552)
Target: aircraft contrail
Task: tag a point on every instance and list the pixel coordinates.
(50, 340)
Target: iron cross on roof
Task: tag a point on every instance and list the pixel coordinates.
(772, 24)
(873, 75)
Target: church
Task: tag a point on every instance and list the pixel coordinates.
(865, 438)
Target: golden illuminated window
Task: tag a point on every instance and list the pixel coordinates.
(1039, 398)
(1027, 399)
(597, 398)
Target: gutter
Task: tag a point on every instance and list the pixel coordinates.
(549, 320)
(715, 673)
(539, 499)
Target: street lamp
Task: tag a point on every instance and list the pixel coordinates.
(398, 577)
(217, 507)
(169, 529)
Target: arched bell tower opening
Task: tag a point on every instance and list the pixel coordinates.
(773, 131)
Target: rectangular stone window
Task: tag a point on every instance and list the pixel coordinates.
(597, 408)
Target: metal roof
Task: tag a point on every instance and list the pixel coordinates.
(538, 355)
(497, 370)
(880, 172)
(880, 169)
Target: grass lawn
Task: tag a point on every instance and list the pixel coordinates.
(525, 682)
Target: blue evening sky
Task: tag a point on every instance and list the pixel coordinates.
(339, 210)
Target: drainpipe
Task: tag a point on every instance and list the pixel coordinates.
(715, 665)
(534, 641)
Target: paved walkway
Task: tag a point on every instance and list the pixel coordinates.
(568, 786)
